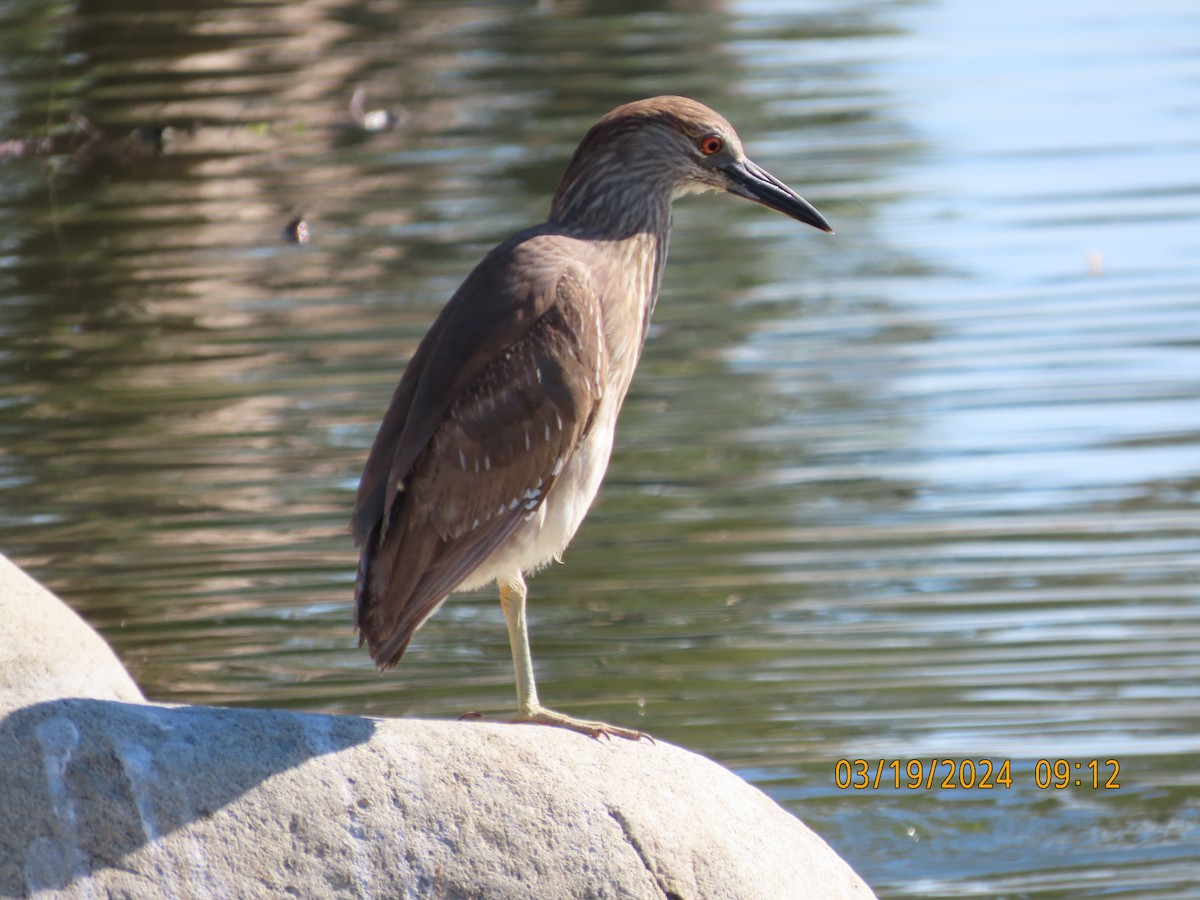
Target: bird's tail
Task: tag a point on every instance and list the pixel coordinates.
(387, 609)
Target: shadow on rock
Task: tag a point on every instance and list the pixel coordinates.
(96, 779)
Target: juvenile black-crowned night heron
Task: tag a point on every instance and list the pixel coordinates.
(499, 433)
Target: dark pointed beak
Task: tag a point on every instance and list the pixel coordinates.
(755, 183)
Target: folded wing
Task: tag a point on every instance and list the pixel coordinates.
(471, 457)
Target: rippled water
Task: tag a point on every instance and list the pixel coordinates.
(926, 489)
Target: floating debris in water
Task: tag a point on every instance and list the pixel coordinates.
(86, 143)
(374, 119)
(296, 231)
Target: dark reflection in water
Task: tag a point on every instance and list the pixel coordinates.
(927, 489)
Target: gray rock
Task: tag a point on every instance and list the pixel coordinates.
(101, 796)
(46, 650)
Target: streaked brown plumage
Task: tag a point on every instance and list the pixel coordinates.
(499, 433)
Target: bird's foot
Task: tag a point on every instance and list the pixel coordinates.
(543, 716)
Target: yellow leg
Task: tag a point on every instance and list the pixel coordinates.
(512, 601)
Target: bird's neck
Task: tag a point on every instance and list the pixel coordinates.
(624, 214)
(654, 261)
(611, 199)
(627, 272)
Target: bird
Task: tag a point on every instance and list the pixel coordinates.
(499, 432)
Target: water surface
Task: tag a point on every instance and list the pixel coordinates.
(926, 489)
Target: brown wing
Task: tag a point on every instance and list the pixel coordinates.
(491, 458)
(490, 311)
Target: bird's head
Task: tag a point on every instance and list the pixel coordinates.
(651, 151)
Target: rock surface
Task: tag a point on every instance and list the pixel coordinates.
(46, 650)
(104, 794)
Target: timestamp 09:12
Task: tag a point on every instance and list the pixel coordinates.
(946, 773)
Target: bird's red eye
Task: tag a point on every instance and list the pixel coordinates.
(711, 144)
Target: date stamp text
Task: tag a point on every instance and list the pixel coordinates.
(983, 774)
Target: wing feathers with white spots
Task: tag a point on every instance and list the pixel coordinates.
(491, 460)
